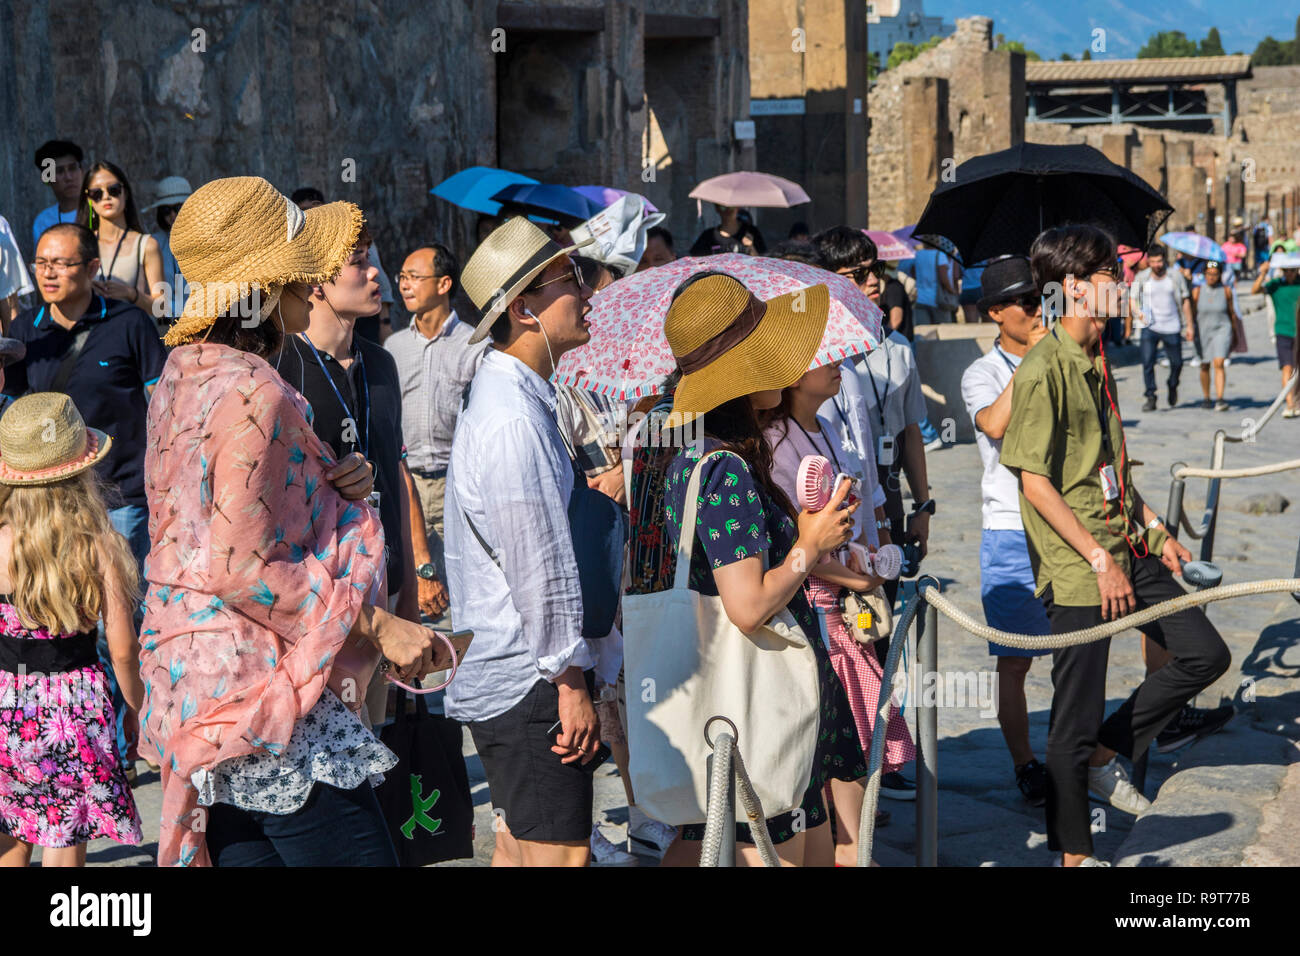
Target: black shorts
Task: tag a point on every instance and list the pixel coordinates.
(1285, 351)
(533, 794)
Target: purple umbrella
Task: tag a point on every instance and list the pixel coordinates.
(606, 196)
(1195, 245)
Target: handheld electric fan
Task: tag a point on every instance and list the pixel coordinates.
(816, 482)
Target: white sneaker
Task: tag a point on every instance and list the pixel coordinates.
(935, 444)
(651, 836)
(1110, 784)
(604, 853)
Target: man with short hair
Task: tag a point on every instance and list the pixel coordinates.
(1162, 302)
(60, 164)
(106, 356)
(1011, 300)
(377, 326)
(1098, 550)
(511, 567)
(435, 361)
(352, 386)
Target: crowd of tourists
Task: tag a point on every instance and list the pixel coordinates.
(236, 504)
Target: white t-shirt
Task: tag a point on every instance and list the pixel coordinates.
(1161, 302)
(981, 384)
(13, 273)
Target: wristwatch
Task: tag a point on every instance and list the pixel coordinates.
(927, 506)
(427, 571)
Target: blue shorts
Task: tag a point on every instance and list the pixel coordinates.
(1007, 590)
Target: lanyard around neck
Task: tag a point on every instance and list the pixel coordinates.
(830, 445)
(998, 345)
(871, 379)
(364, 443)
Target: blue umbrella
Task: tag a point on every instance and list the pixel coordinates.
(474, 187)
(548, 199)
(1195, 245)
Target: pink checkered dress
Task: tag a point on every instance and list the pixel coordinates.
(859, 671)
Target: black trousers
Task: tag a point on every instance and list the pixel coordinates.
(1199, 658)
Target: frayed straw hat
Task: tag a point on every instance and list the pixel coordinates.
(240, 237)
(501, 268)
(730, 343)
(43, 440)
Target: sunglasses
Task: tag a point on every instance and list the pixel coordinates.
(575, 276)
(96, 194)
(859, 275)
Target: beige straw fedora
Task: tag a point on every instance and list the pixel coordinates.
(240, 236)
(730, 343)
(510, 257)
(43, 440)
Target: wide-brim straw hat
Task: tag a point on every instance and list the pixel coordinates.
(240, 237)
(511, 257)
(730, 343)
(43, 440)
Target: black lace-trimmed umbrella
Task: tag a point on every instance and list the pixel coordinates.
(997, 204)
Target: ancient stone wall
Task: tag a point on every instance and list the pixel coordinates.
(374, 101)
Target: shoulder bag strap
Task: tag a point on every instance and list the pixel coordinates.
(479, 538)
(70, 358)
(686, 541)
(629, 449)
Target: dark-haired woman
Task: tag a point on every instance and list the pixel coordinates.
(265, 616)
(736, 354)
(793, 431)
(130, 262)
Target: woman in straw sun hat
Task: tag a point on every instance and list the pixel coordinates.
(265, 571)
(62, 568)
(736, 354)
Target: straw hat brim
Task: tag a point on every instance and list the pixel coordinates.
(315, 254)
(499, 303)
(98, 445)
(775, 355)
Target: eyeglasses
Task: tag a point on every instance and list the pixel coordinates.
(859, 274)
(1029, 303)
(412, 277)
(576, 276)
(1110, 271)
(96, 194)
(58, 266)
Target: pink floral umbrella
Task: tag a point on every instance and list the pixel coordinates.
(889, 248)
(628, 356)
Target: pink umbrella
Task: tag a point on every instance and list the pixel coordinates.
(628, 356)
(888, 246)
(748, 189)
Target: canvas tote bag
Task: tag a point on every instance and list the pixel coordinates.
(685, 663)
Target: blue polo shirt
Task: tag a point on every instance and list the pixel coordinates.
(122, 355)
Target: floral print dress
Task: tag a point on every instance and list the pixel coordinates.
(736, 520)
(61, 784)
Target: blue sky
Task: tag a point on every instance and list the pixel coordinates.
(1052, 27)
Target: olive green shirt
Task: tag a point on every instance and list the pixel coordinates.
(1055, 431)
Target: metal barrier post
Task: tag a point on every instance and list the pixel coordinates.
(727, 842)
(927, 732)
(1174, 513)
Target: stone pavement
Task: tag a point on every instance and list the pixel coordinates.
(1229, 799)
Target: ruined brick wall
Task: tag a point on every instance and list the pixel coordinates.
(982, 111)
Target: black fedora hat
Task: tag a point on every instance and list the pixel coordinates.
(1005, 279)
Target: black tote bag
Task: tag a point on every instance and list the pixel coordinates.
(426, 798)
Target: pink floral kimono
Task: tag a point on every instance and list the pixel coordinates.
(257, 570)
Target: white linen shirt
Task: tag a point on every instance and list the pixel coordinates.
(511, 475)
(981, 384)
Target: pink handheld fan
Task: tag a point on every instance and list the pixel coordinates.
(816, 482)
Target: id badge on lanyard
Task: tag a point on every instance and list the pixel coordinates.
(1109, 485)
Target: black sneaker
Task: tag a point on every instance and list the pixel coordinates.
(1192, 723)
(1173, 396)
(895, 786)
(1150, 404)
(1206, 404)
(1031, 778)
